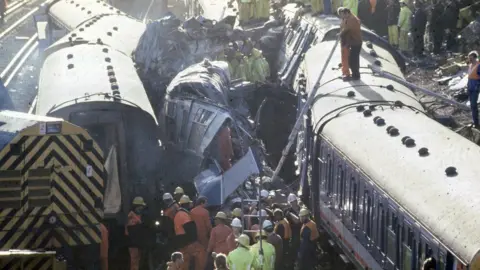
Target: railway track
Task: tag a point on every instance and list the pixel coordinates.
(18, 40)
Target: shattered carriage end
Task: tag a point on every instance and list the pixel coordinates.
(51, 184)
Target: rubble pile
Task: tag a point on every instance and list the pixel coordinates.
(167, 47)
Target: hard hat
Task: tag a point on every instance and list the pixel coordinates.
(243, 240)
(263, 213)
(237, 212)
(179, 190)
(184, 199)
(221, 215)
(266, 224)
(263, 193)
(167, 196)
(257, 234)
(278, 211)
(272, 193)
(291, 197)
(304, 212)
(139, 201)
(236, 223)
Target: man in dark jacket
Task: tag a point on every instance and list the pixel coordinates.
(450, 18)
(393, 9)
(419, 22)
(437, 26)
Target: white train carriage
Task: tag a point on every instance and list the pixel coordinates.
(390, 184)
(119, 32)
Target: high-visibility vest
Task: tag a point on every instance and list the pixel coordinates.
(240, 259)
(473, 74)
(286, 228)
(313, 230)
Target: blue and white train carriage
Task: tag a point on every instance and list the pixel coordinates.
(390, 184)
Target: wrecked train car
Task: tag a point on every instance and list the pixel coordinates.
(201, 111)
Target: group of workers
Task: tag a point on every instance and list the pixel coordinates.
(445, 20)
(262, 236)
(246, 62)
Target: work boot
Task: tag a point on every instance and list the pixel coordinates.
(346, 78)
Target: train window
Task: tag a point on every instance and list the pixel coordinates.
(342, 188)
(184, 128)
(383, 227)
(391, 236)
(202, 116)
(441, 261)
(368, 214)
(171, 108)
(355, 201)
(330, 178)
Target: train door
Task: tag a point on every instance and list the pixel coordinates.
(408, 246)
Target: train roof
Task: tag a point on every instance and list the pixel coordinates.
(83, 74)
(447, 206)
(119, 32)
(12, 123)
(71, 13)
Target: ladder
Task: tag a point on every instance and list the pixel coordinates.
(258, 215)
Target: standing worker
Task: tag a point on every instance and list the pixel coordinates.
(135, 218)
(437, 26)
(473, 85)
(187, 242)
(276, 242)
(267, 260)
(236, 231)
(104, 247)
(219, 235)
(283, 229)
(202, 221)
(3, 8)
(393, 10)
(241, 257)
(308, 237)
(419, 23)
(352, 34)
(404, 25)
(344, 51)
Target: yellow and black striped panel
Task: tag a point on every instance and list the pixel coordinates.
(59, 203)
(29, 261)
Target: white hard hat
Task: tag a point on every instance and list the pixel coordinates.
(237, 199)
(236, 223)
(167, 196)
(263, 213)
(291, 197)
(272, 193)
(263, 193)
(266, 224)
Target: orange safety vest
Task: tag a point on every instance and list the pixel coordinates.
(182, 217)
(473, 75)
(313, 230)
(286, 227)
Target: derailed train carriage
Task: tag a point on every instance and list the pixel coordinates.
(52, 180)
(389, 184)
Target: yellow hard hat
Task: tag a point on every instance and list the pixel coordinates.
(243, 240)
(221, 215)
(179, 190)
(304, 212)
(184, 199)
(237, 212)
(138, 201)
(257, 234)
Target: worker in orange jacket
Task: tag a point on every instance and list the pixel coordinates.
(187, 241)
(219, 235)
(309, 236)
(135, 218)
(202, 219)
(104, 247)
